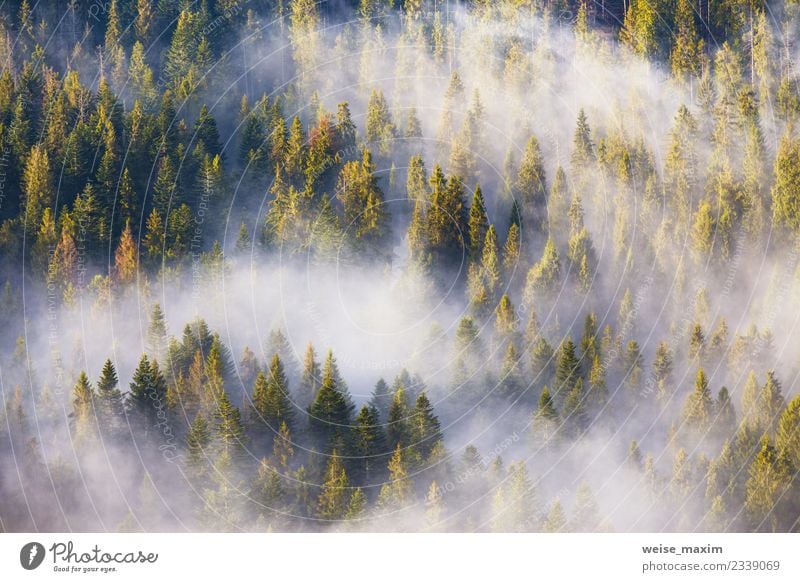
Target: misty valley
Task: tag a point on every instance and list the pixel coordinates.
(416, 266)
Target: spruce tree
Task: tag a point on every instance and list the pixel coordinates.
(397, 492)
(147, 396)
(333, 501)
(531, 186)
(424, 428)
(331, 411)
(370, 445)
(230, 431)
(83, 414)
(478, 225)
(699, 407)
(398, 431)
(109, 400)
(568, 368)
(767, 501)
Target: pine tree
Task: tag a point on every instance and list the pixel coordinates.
(785, 200)
(357, 505)
(585, 515)
(37, 187)
(556, 520)
(478, 225)
(687, 49)
(639, 32)
(397, 424)
(230, 431)
(490, 263)
(380, 129)
(109, 400)
(521, 511)
(282, 448)
(505, 321)
(512, 252)
(770, 476)
(147, 395)
(397, 493)
(424, 428)
(83, 415)
(724, 414)
(574, 410)
(531, 186)
(543, 278)
(125, 257)
(156, 345)
(545, 420)
(434, 508)
(331, 410)
(512, 385)
(333, 501)
(310, 379)
(269, 494)
(699, 407)
(370, 444)
(770, 402)
(271, 404)
(198, 439)
(583, 148)
(568, 368)
(788, 436)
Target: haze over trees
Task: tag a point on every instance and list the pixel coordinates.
(297, 266)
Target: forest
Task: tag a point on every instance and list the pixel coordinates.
(399, 265)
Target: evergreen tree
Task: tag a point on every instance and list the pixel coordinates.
(770, 402)
(785, 201)
(156, 346)
(397, 492)
(478, 225)
(585, 514)
(699, 407)
(333, 501)
(370, 444)
(568, 368)
(556, 520)
(687, 49)
(397, 425)
(788, 437)
(770, 475)
(543, 278)
(147, 396)
(545, 420)
(425, 430)
(331, 411)
(109, 400)
(230, 432)
(532, 187)
(198, 439)
(83, 400)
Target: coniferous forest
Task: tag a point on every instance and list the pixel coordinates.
(400, 265)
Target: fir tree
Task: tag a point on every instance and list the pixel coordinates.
(397, 492)
(425, 430)
(699, 407)
(83, 402)
(109, 399)
(331, 411)
(370, 444)
(770, 475)
(333, 501)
